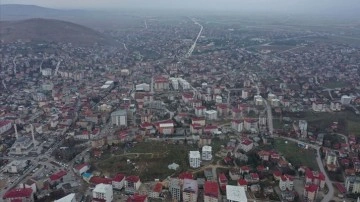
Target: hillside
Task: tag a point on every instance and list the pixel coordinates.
(46, 30)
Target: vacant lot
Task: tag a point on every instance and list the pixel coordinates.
(149, 160)
(296, 155)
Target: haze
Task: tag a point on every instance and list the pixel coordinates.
(333, 7)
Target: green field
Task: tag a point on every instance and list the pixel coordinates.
(151, 160)
(296, 155)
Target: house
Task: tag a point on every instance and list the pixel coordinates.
(310, 192)
(335, 106)
(244, 169)
(194, 159)
(211, 191)
(246, 145)
(81, 168)
(103, 193)
(187, 97)
(165, 127)
(237, 125)
(95, 180)
(16, 194)
(314, 177)
(196, 129)
(57, 177)
(200, 111)
(198, 121)
(190, 190)
(235, 174)
(223, 181)
(318, 106)
(206, 153)
(264, 155)
(286, 182)
(210, 129)
(235, 194)
(156, 190)
(137, 198)
(132, 184)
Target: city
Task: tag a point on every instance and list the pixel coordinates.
(180, 108)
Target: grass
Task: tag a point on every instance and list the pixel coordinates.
(296, 155)
(150, 158)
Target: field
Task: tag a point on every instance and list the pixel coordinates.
(296, 155)
(149, 160)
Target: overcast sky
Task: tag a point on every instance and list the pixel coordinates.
(296, 6)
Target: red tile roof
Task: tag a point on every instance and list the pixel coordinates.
(58, 175)
(242, 182)
(137, 198)
(132, 178)
(186, 175)
(79, 167)
(158, 187)
(18, 193)
(311, 188)
(99, 180)
(3, 123)
(211, 189)
(119, 177)
(222, 178)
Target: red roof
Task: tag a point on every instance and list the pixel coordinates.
(99, 180)
(254, 175)
(246, 142)
(3, 123)
(132, 178)
(222, 178)
(245, 168)
(158, 187)
(18, 193)
(340, 187)
(137, 198)
(211, 189)
(119, 177)
(311, 188)
(79, 167)
(242, 182)
(186, 175)
(277, 173)
(58, 175)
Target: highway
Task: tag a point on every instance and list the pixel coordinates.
(188, 54)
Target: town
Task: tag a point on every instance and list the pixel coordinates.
(184, 109)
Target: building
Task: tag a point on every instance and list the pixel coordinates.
(210, 114)
(137, 198)
(119, 118)
(118, 182)
(314, 177)
(310, 192)
(81, 168)
(103, 192)
(190, 190)
(286, 182)
(251, 124)
(21, 195)
(303, 127)
(223, 181)
(5, 125)
(165, 127)
(156, 190)
(345, 100)
(235, 194)
(331, 161)
(175, 189)
(246, 145)
(67, 198)
(211, 191)
(132, 184)
(160, 83)
(142, 87)
(237, 125)
(206, 153)
(352, 184)
(16, 166)
(194, 159)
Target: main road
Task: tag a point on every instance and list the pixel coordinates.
(188, 54)
(330, 195)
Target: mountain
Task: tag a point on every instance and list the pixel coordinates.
(19, 11)
(49, 30)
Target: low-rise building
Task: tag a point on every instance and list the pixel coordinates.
(103, 192)
(22, 194)
(235, 194)
(194, 159)
(211, 191)
(132, 184)
(190, 190)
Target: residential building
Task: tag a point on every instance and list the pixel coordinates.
(119, 118)
(235, 194)
(81, 168)
(310, 192)
(251, 124)
(211, 191)
(206, 153)
(223, 181)
(175, 189)
(156, 190)
(68, 198)
(246, 145)
(194, 159)
(345, 100)
(165, 127)
(242, 183)
(237, 125)
(210, 114)
(352, 184)
(314, 177)
(103, 192)
(132, 184)
(118, 182)
(5, 125)
(21, 195)
(303, 127)
(190, 190)
(16, 166)
(286, 182)
(137, 198)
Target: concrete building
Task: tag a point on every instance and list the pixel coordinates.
(103, 192)
(194, 159)
(118, 182)
(190, 190)
(206, 153)
(5, 125)
(303, 127)
(352, 184)
(119, 118)
(16, 194)
(211, 191)
(175, 189)
(345, 99)
(237, 125)
(16, 166)
(286, 182)
(210, 114)
(235, 194)
(310, 192)
(67, 198)
(132, 184)
(142, 87)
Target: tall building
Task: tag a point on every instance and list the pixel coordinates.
(175, 189)
(103, 192)
(206, 153)
(352, 184)
(211, 191)
(310, 192)
(235, 194)
(190, 190)
(194, 159)
(119, 118)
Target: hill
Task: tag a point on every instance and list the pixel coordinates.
(46, 30)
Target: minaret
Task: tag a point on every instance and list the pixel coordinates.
(16, 133)
(32, 134)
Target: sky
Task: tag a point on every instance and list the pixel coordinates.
(296, 6)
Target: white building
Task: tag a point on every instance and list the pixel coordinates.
(352, 184)
(142, 87)
(175, 189)
(190, 190)
(119, 118)
(46, 72)
(67, 198)
(184, 84)
(16, 166)
(237, 125)
(206, 153)
(118, 181)
(211, 114)
(5, 125)
(303, 126)
(194, 159)
(345, 100)
(103, 192)
(246, 145)
(235, 194)
(218, 99)
(286, 182)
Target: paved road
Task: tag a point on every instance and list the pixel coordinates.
(330, 195)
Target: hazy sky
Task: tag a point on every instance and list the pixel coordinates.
(296, 6)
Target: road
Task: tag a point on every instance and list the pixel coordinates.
(330, 195)
(188, 54)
